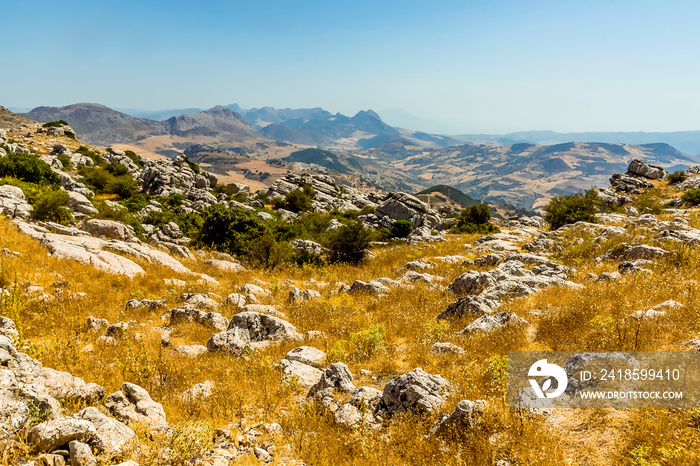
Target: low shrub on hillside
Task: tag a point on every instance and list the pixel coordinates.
(55, 124)
(242, 233)
(401, 229)
(52, 207)
(111, 179)
(27, 167)
(96, 157)
(349, 243)
(361, 345)
(298, 200)
(676, 177)
(565, 209)
(134, 158)
(120, 214)
(475, 219)
(691, 196)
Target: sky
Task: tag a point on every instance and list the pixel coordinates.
(455, 67)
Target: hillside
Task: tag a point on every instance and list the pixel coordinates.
(123, 339)
(11, 121)
(523, 175)
(450, 194)
(100, 125)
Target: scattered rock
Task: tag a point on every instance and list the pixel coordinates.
(336, 377)
(416, 391)
(464, 418)
(446, 348)
(307, 355)
(491, 323)
(133, 404)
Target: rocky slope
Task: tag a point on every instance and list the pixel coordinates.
(199, 360)
(100, 125)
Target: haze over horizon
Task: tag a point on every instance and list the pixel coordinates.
(455, 67)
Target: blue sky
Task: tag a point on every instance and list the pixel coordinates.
(462, 67)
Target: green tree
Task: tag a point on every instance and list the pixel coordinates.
(565, 209)
(475, 219)
(242, 233)
(349, 243)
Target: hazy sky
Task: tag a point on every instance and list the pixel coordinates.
(467, 66)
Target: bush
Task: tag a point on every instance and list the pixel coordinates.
(691, 196)
(108, 212)
(27, 168)
(401, 229)
(676, 177)
(571, 208)
(361, 345)
(298, 200)
(123, 187)
(242, 233)
(65, 161)
(349, 243)
(136, 202)
(51, 207)
(192, 165)
(134, 158)
(117, 169)
(97, 158)
(55, 124)
(475, 219)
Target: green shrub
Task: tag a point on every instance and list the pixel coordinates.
(192, 165)
(361, 345)
(691, 196)
(96, 178)
(242, 233)
(96, 158)
(123, 187)
(676, 177)
(649, 204)
(136, 202)
(55, 124)
(51, 207)
(349, 243)
(475, 219)
(190, 224)
(109, 212)
(69, 134)
(565, 209)
(65, 161)
(27, 168)
(117, 169)
(138, 161)
(401, 229)
(298, 200)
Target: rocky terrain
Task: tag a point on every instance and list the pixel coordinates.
(126, 342)
(258, 145)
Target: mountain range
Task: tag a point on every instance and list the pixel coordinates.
(256, 145)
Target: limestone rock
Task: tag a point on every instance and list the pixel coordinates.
(111, 436)
(489, 323)
(52, 434)
(465, 417)
(336, 377)
(307, 355)
(108, 229)
(416, 391)
(133, 404)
